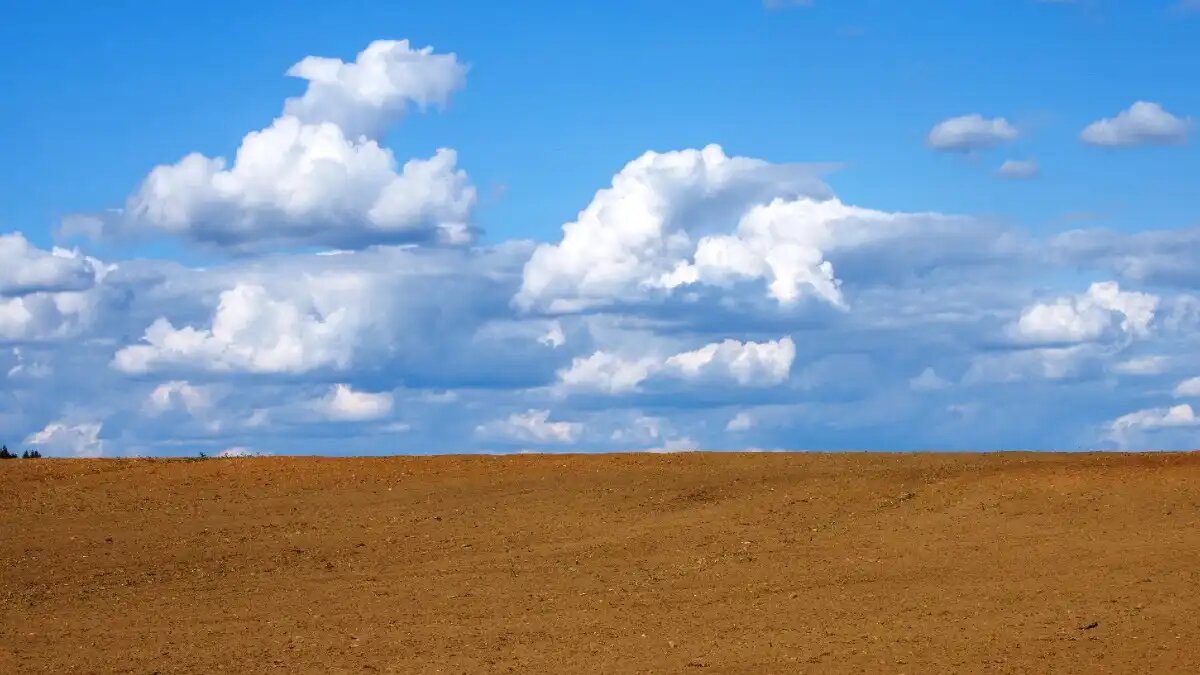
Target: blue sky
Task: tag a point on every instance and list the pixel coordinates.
(552, 101)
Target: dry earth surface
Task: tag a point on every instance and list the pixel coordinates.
(704, 563)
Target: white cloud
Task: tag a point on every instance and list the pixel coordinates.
(1155, 418)
(970, 132)
(45, 316)
(26, 269)
(634, 233)
(79, 440)
(179, 395)
(1144, 123)
(1088, 316)
(45, 295)
(1188, 388)
(306, 184)
(679, 444)
(747, 363)
(928, 380)
(1142, 365)
(1017, 168)
(742, 421)
(532, 426)
(312, 177)
(641, 430)
(679, 220)
(607, 373)
(254, 331)
(365, 96)
(750, 364)
(345, 404)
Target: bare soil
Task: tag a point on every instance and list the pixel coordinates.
(704, 563)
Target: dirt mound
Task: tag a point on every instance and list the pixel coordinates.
(618, 563)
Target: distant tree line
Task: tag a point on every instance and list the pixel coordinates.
(28, 454)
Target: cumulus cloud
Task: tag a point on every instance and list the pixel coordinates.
(1088, 316)
(641, 300)
(531, 426)
(742, 421)
(1155, 418)
(78, 440)
(431, 315)
(697, 218)
(294, 183)
(255, 331)
(45, 316)
(970, 132)
(1018, 168)
(746, 363)
(1188, 388)
(749, 364)
(179, 395)
(631, 236)
(344, 404)
(607, 373)
(45, 295)
(26, 269)
(317, 175)
(1143, 123)
(365, 96)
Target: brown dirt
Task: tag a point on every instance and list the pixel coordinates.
(705, 563)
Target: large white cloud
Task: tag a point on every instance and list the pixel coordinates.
(971, 132)
(438, 314)
(633, 234)
(45, 295)
(254, 331)
(317, 175)
(699, 218)
(1104, 307)
(1143, 123)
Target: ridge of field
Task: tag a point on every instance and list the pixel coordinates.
(692, 562)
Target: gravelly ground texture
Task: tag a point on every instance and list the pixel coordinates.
(704, 563)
